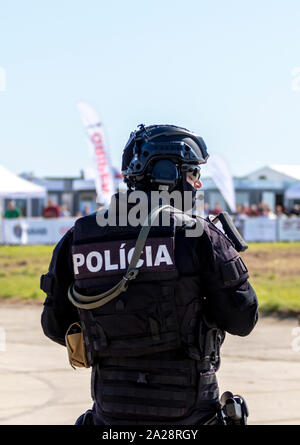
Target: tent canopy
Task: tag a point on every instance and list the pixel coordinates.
(14, 187)
(293, 192)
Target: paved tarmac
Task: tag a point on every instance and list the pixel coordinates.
(37, 385)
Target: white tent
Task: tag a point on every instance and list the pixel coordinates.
(293, 192)
(14, 187)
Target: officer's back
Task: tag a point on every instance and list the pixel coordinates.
(154, 347)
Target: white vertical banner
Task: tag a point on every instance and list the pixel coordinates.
(220, 173)
(104, 177)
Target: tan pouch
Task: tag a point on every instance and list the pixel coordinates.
(76, 347)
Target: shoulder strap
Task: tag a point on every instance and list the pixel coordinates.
(95, 301)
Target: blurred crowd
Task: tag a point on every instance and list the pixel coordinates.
(51, 210)
(261, 209)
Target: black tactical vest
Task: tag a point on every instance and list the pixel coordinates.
(153, 356)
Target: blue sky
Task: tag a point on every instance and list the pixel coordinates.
(221, 69)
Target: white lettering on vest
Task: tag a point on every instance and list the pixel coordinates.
(99, 259)
(129, 256)
(78, 260)
(162, 256)
(149, 256)
(108, 265)
(122, 257)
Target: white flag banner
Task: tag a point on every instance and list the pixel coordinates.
(104, 177)
(220, 173)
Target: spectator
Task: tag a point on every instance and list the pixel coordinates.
(296, 210)
(51, 210)
(12, 211)
(240, 217)
(86, 210)
(241, 213)
(217, 209)
(260, 208)
(245, 209)
(64, 211)
(267, 212)
(238, 209)
(206, 209)
(253, 211)
(280, 212)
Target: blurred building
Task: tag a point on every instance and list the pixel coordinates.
(29, 198)
(270, 184)
(73, 192)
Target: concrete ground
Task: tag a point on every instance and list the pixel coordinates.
(37, 386)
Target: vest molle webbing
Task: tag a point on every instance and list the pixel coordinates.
(151, 389)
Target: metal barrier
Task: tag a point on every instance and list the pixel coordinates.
(49, 231)
(34, 230)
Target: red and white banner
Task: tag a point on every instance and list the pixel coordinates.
(94, 128)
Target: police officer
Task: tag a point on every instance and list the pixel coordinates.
(153, 304)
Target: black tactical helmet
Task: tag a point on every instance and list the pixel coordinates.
(159, 154)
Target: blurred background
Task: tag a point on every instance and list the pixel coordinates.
(75, 79)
